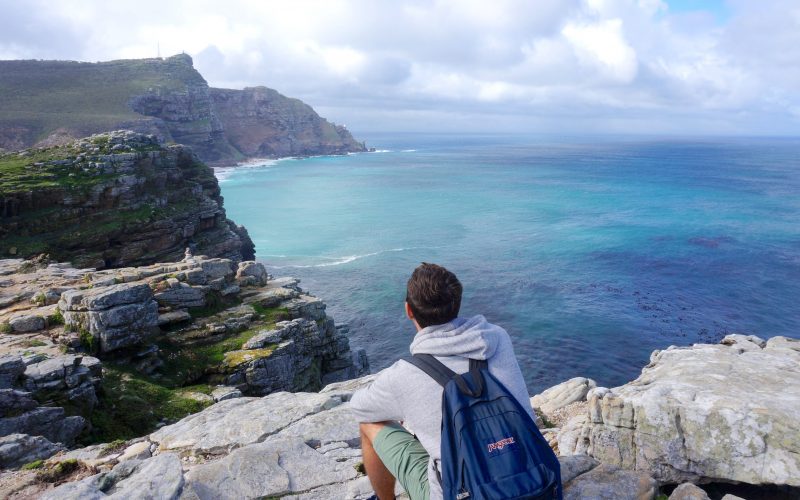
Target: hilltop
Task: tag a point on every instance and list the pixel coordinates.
(45, 103)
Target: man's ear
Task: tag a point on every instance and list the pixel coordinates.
(408, 312)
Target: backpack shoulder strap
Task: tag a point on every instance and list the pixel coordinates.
(433, 367)
(443, 375)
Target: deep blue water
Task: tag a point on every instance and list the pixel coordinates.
(590, 252)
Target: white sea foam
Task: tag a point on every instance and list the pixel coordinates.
(408, 151)
(338, 261)
(382, 151)
(223, 173)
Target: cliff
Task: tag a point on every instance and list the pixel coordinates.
(115, 199)
(91, 355)
(722, 416)
(44, 103)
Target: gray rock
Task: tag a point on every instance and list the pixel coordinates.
(718, 412)
(11, 367)
(731, 497)
(182, 296)
(607, 482)
(98, 299)
(744, 341)
(222, 392)
(27, 323)
(19, 449)
(237, 422)
(574, 465)
(14, 402)
(160, 477)
(49, 422)
(115, 316)
(563, 394)
(173, 317)
(275, 467)
(251, 273)
(688, 491)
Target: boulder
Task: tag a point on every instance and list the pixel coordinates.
(11, 367)
(688, 491)
(251, 273)
(701, 413)
(607, 482)
(49, 422)
(222, 392)
(182, 295)
(113, 316)
(23, 323)
(157, 477)
(563, 394)
(19, 449)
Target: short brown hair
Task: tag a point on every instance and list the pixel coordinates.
(434, 295)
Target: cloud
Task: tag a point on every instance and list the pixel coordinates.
(555, 65)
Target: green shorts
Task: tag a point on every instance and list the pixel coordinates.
(405, 458)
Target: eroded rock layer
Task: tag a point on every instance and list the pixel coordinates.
(112, 200)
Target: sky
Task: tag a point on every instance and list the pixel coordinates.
(671, 67)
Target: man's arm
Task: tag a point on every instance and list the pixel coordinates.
(381, 400)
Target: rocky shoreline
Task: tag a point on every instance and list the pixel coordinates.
(706, 421)
(89, 355)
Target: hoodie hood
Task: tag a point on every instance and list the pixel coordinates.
(473, 338)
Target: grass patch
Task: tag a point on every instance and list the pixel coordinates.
(132, 405)
(5, 327)
(33, 343)
(232, 359)
(546, 423)
(55, 319)
(271, 314)
(36, 464)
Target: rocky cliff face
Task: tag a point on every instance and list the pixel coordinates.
(111, 200)
(91, 355)
(53, 102)
(260, 122)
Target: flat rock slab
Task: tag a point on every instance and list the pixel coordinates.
(237, 422)
(563, 394)
(720, 412)
(606, 482)
(159, 477)
(275, 467)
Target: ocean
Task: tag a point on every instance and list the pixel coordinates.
(590, 252)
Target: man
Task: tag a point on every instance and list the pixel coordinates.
(401, 411)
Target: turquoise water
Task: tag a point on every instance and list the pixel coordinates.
(590, 253)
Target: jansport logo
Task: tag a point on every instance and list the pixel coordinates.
(499, 445)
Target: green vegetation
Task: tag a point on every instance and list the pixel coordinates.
(271, 314)
(33, 343)
(545, 421)
(59, 471)
(5, 327)
(44, 96)
(36, 464)
(114, 446)
(88, 341)
(55, 319)
(132, 404)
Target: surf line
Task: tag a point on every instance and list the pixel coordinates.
(338, 261)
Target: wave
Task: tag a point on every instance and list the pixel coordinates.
(408, 151)
(381, 151)
(338, 261)
(223, 173)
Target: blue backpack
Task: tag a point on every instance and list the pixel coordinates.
(491, 448)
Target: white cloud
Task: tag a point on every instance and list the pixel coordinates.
(570, 65)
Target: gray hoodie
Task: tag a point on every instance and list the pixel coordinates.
(404, 393)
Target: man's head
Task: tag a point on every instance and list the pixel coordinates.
(433, 295)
